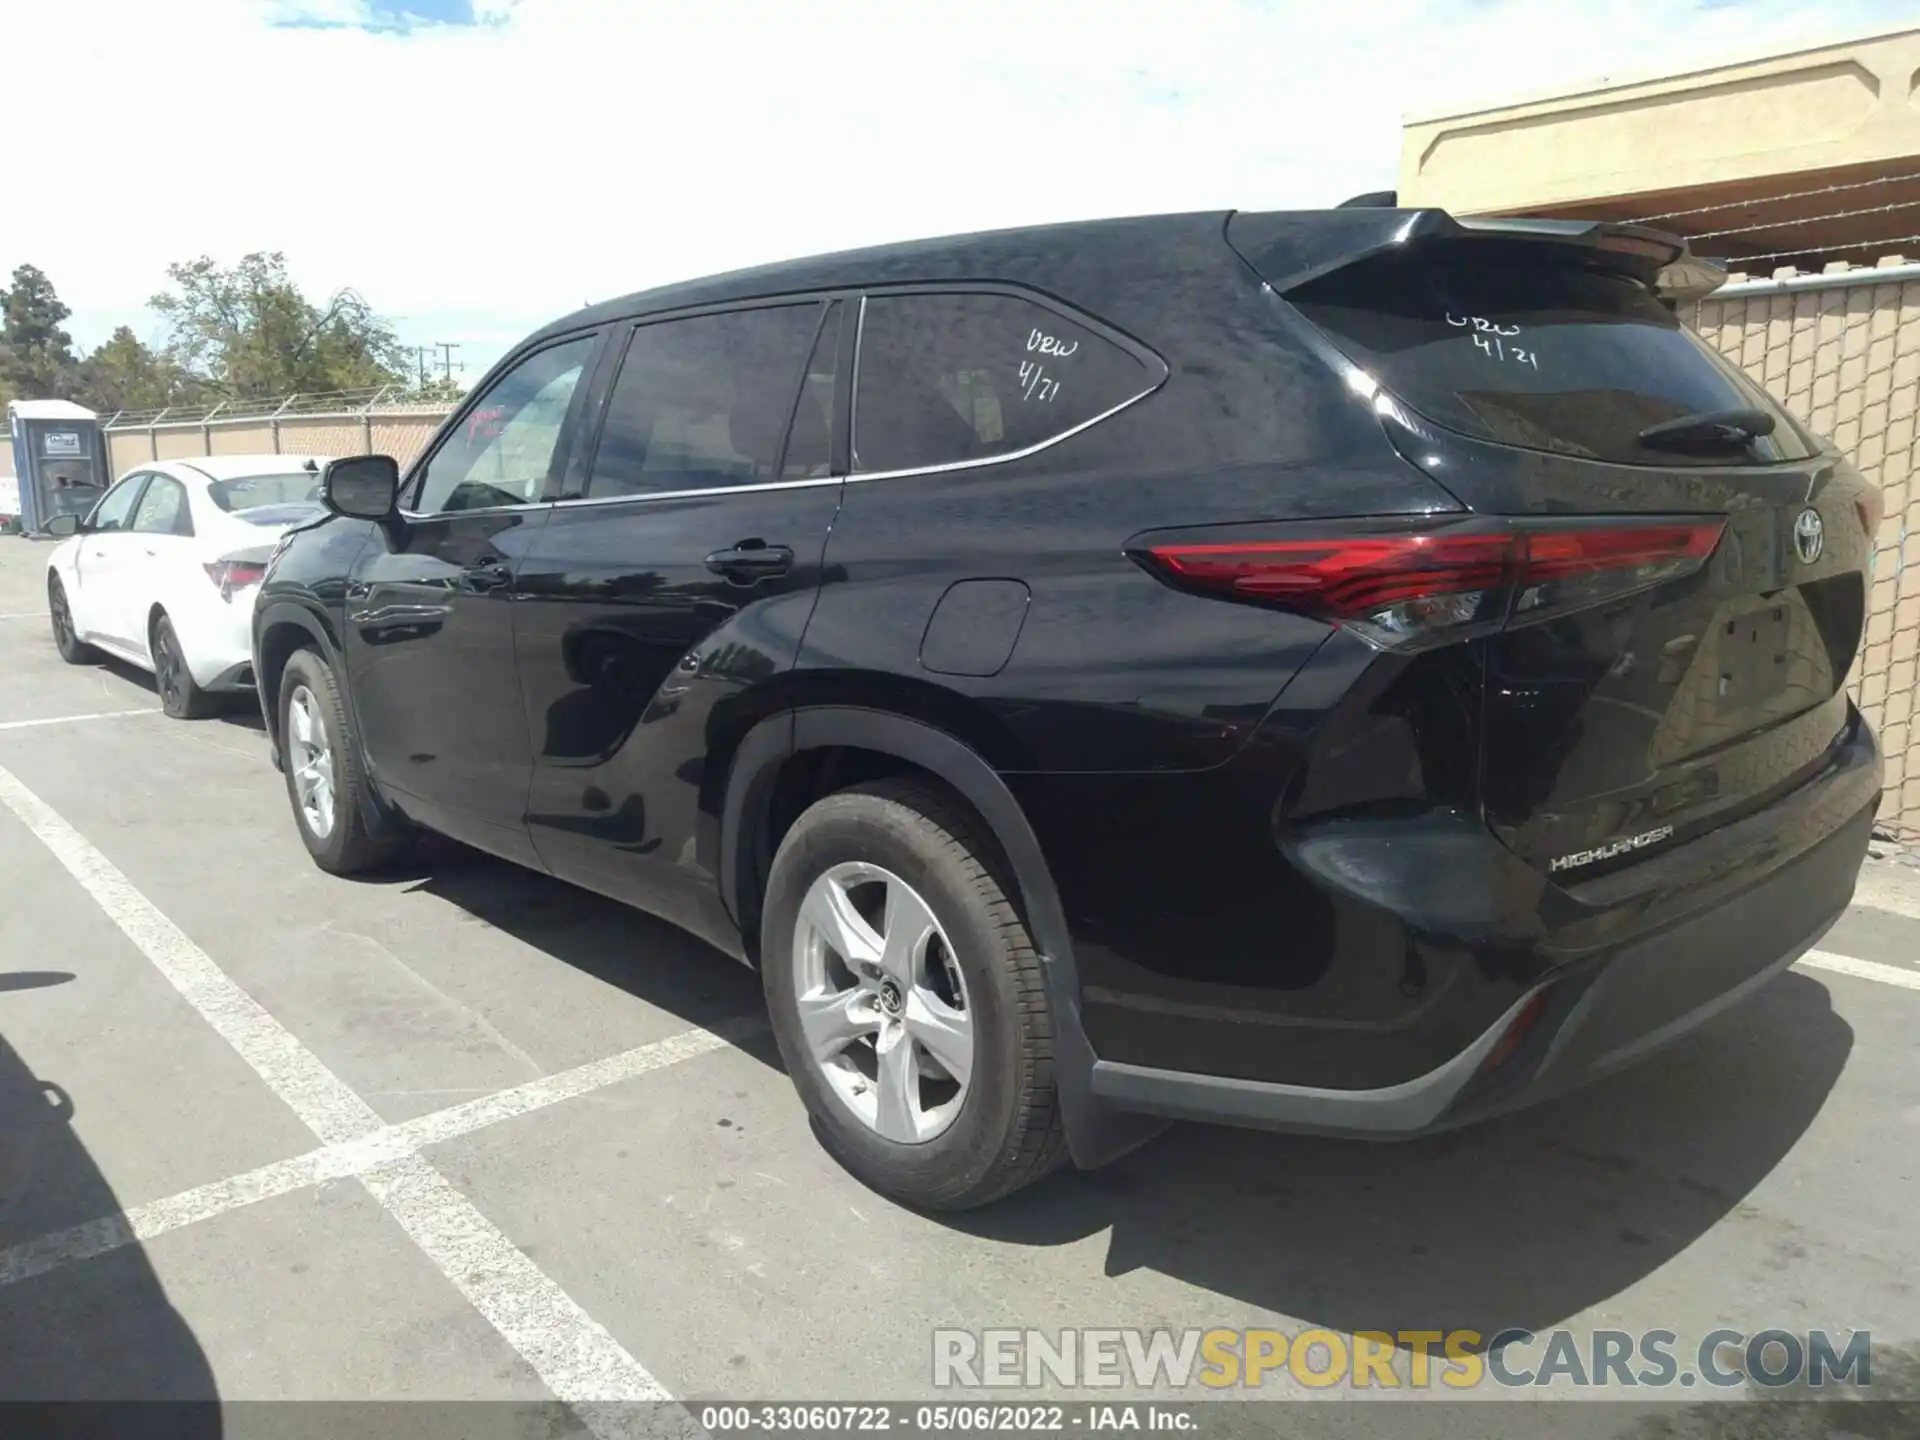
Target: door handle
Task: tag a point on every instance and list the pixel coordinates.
(751, 560)
(490, 574)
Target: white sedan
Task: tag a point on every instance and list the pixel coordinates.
(163, 571)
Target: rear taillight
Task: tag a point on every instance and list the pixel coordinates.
(231, 576)
(1402, 588)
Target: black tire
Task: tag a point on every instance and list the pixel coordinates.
(349, 846)
(1007, 1133)
(72, 649)
(180, 695)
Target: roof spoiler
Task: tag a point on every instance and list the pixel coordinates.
(1288, 249)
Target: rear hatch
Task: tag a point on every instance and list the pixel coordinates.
(1538, 372)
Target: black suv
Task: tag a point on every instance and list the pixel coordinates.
(1351, 671)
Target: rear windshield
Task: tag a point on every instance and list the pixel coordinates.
(1542, 356)
(248, 492)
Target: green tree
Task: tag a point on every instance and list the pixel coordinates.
(124, 374)
(36, 355)
(248, 331)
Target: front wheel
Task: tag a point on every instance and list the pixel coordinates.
(325, 779)
(908, 1000)
(180, 694)
(66, 639)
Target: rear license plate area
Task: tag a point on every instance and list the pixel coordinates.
(1753, 656)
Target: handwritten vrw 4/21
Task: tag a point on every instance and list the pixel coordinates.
(1491, 339)
(1035, 382)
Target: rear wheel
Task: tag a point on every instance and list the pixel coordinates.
(326, 782)
(180, 694)
(908, 1000)
(65, 638)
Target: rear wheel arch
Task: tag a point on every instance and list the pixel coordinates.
(865, 744)
(791, 759)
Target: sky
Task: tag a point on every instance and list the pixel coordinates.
(475, 168)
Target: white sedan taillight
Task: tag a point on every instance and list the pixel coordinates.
(230, 575)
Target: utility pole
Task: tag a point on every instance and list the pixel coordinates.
(447, 365)
(420, 355)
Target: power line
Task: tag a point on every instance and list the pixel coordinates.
(447, 363)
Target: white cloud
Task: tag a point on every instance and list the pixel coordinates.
(475, 181)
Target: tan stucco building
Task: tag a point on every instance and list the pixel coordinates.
(1740, 136)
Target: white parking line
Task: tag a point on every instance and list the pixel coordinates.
(1893, 888)
(72, 719)
(349, 1158)
(572, 1353)
(24, 615)
(1862, 969)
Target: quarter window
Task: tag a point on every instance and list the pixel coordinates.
(163, 509)
(113, 512)
(703, 403)
(946, 379)
(504, 446)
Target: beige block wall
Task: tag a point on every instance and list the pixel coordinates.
(1846, 358)
(402, 433)
(6, 455)
(1846, 103)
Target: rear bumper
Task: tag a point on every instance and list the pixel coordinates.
(217, 636)
(1614, 970)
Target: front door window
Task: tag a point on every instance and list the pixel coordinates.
(506, 444)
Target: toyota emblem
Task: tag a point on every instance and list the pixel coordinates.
(1809, 535)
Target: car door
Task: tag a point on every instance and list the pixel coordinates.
(159, 552)
(429, 624)
(661, 599)
(100, 563)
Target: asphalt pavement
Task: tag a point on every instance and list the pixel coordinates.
(464, 1133)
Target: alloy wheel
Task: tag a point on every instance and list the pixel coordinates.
(169, 666)
(63, 632)
(882, 1002)
(310, 762)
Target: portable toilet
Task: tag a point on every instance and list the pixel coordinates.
(59, 458)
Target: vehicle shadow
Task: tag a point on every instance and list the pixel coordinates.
(94, 1330)
(235, 708)
(650, 959)
(1523, 1220)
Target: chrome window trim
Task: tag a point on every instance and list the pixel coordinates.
(859, 477)
(987, 460)
(419, 515)
(853, 390)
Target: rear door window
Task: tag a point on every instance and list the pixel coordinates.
(703, 403)
(163, 509)
(1536, 354)
(945, 379)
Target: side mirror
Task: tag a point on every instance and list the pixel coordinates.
(63, 525)
(362, 487)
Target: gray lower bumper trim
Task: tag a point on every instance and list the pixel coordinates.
(1411, 1105)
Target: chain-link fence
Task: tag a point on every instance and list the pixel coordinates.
(342, 422)
(1841, 349)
